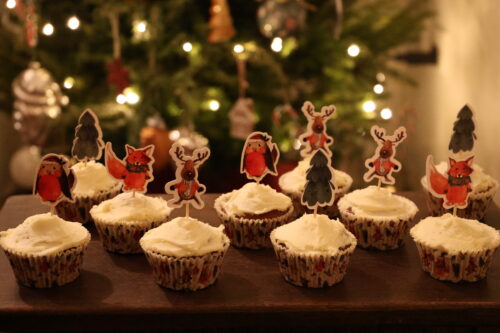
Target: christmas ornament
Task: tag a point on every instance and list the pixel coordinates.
(118, 75)
(27, 13)
(281, 18)
(259, 156)
(316, 137)
(23, 166)
(221, 22)
(189, 139)
(242, 118)
(156, 134)
(88, 144)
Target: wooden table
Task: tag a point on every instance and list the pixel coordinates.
(118, 292)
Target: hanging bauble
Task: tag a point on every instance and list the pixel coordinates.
(281, 18)
(188, 138)
(156, 133)
(24, 165)
(221, 22)
(242, 118)
(38, 99)
(118, 75)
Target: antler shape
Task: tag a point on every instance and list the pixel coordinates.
(200, 156)
(379, 134)
(179, 153)
(308, 108)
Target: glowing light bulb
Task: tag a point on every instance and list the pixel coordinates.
(132, 97)
(378, 88)
(214, 105)
(386, 113)
(369, 106)
(187, 47)
(141, 26)
(73, 23)
(238, 48)
(174, 135)
(277, 44)
(69, 82)
(121, 99)
(11, 4)
(48, 29)
(353, 50)
(380, 77)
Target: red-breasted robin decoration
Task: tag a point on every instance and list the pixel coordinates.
(54, 179)
(259, 156)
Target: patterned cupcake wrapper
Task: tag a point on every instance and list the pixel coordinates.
(123, 237)
(78, 211)
(49, 270)
(443, 266)
(186, 273)
(380, 235)
(312, 271)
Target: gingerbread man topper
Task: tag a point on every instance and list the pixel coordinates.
(88, 144)
(315, 136)
(259, 156)
(135, 170)
(185, 187)
(54, 180)
(382, 164)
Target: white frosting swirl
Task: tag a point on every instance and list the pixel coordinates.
(374, 201)
(91, 178)
(295, 180)
(129, 207)
(43, 234)
(184, 236)
(455, 234)
(314, 235)
(255, 198)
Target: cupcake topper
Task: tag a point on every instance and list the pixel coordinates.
(382, 164)
(54, 180)
(88, 144)
(315, 136)
(259, 156)
(135, 170)
(463, 131)
(185, 186)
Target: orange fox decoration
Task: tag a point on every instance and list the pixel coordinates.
(315, 137)
(456, 187)
(135, 170)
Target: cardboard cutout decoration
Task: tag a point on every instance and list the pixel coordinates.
(382, 164)
(454, 188)
(54, 180)
(463, 131)
(315, 136)
(135, 170)
(88, 144)
(320, 189)
(259, 156)
(185, 187)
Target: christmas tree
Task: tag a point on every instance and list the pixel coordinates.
(463, 131)
(319, 187)
(88, 142)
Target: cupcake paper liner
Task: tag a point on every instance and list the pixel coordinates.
(49, 270)
(441, 265)
(186, 273)
(249, 233)
(312, 270)
(78, 211)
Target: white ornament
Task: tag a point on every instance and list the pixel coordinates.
(24, 165)
(242, 118)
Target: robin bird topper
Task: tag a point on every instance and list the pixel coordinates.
(259, 156)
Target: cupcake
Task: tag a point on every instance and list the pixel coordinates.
(45, 250)
(123, 220)
(293, 182)
(484, 188)
(455, 249)
(250, 214)
(185, 254)
(313, 251)
(378, 218)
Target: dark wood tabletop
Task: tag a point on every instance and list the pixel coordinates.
(118, 292)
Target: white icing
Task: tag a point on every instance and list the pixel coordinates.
(255, 198)
(184, 236)
(91, 178)
(130, 207)
(314, 235)
(43, 234)
(374, 201)
(455, 234)
(294, 181)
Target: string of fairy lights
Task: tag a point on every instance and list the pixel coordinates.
(131, 96)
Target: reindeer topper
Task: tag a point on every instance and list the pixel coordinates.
(259, 156)
(88, 144)
(315, 136)
(382, 164)
(135, 170)
(185, 186)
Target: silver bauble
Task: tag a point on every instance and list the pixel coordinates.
(281, 18)
(24, 165)
(188, 138)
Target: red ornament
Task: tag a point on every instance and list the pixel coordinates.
(118, 75)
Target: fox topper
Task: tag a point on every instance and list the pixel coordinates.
(315, 136)
(54, 180)
(135, 170)
(455, 187)
(382, 164)
(185, 187)
(259, 156)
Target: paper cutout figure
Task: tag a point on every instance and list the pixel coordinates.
(54, 180)
(185, 187)
(315, 136)
(88, 144)
(456, 187)
(382, 164)
(259, 156)
(320, 189)
(463, 131)
(135, 170)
